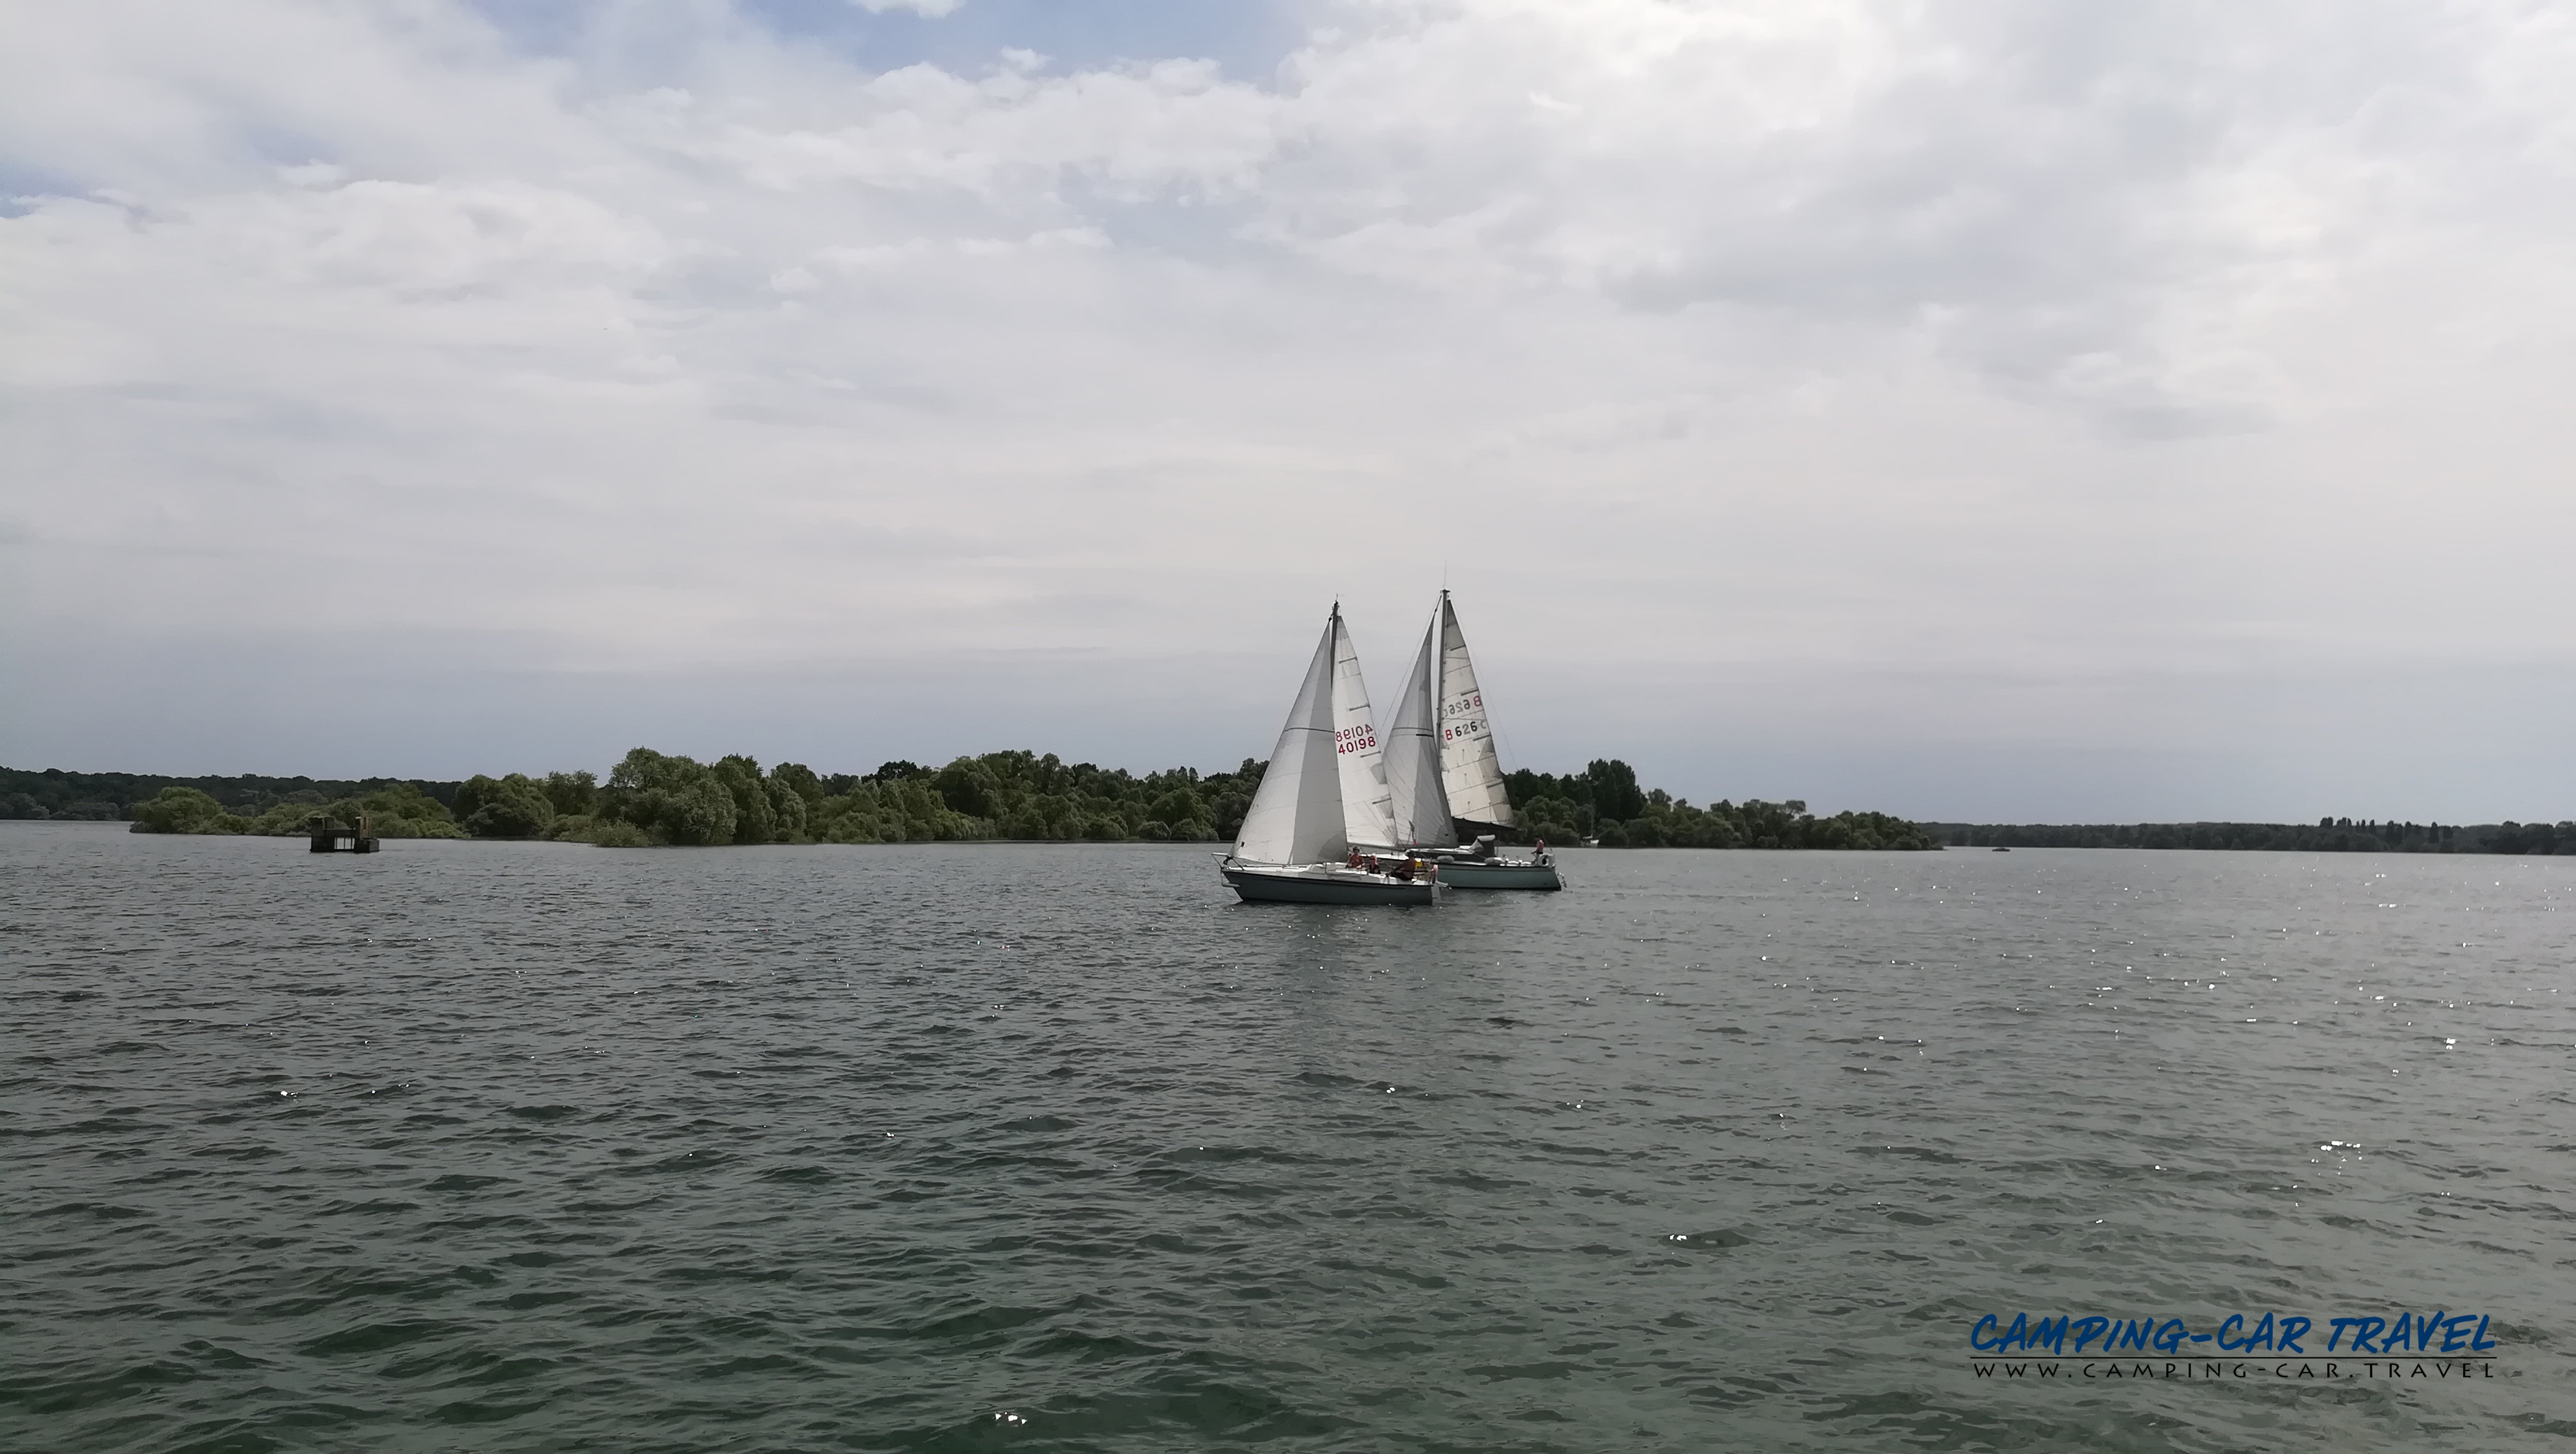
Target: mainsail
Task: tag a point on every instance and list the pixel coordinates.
(1469, 768)
(1418, 802)
(1365, 817)
(1296, 813)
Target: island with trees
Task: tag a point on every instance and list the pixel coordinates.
(653, 798)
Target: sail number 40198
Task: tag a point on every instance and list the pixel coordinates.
(1356, 739)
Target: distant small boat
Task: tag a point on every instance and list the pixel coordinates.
(2003, 850)
(1325, 790)
(1440, 754)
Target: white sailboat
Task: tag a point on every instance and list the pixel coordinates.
(1417, 799)
(1455, 753)
(1324, 795)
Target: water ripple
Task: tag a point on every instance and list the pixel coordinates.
(531, 1146)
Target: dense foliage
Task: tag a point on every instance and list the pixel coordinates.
(1021, 795)
(657, 798)
(399, 810)
(519, 806)
(654, 798)
(1604, 802)
(110, 796)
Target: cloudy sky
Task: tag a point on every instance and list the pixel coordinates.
(1978, 411)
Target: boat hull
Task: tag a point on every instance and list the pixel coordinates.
(1470, 874)
(1305, 886)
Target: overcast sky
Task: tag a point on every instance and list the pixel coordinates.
(1995, 411)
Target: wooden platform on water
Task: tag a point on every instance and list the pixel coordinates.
(330, 837)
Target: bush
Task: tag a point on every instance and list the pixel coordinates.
(669, 799)
(399, 810)
(516, 806)
(574, 793)
(185, 810)
(754, 820)
(787, 810)
(799, 779)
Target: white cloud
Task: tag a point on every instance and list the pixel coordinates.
(933, 9)
(2095, 353)
(995, 137)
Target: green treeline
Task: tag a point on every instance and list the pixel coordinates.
(397, 810)
(654, 798)
(1603, 801)
(114, 796)
(657, 798)
(2326, 835)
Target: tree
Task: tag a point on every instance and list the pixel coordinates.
(184, 810)
(652, 798)
(800, 780)
(396, 810)
(788, 811)
(572, 793)
(1614, 789)
(515, 806)
(671, 799)
(971, 787)
(754, 820)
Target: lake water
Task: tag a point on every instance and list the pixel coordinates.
(536, 1147)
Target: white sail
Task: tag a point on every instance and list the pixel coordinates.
(1365, 817)
(1469, 768)
(1419, 804)
(1296, 813)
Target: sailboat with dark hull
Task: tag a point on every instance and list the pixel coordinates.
(1325, 794)
(1446, 796)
